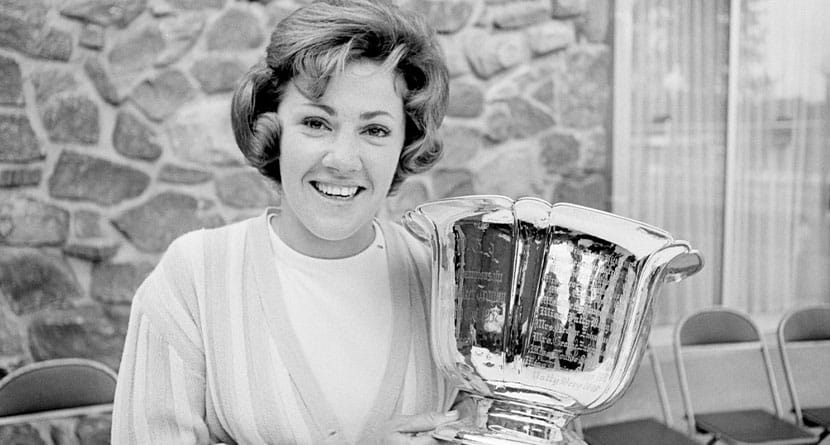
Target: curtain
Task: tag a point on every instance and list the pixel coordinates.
(674, 161)
(721, 138)
(777, 242)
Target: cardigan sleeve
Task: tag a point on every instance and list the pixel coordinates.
(160, 395)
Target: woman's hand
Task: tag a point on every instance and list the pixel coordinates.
(414, 429)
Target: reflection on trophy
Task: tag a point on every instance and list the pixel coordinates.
(540, 312)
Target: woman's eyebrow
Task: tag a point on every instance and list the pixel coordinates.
(372, 114)
(323, 107)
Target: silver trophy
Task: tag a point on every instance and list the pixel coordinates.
(540, 312)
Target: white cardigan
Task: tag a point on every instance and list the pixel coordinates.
(211, 357)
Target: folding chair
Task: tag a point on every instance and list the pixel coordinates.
(804, 343)
(642, 430)
(56, 388)
(726, 374)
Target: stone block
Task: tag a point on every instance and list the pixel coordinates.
(86, 224)
(180, 33)
(117, 283)
(11, 327)
(25, 220)
(596, 20)
(105, 12)
(511, 171)
(94, 252)
(18, 143)
(559, 153)
(81, 177)
(497, 122)
(466, 99)
(591, 191)
(569, 8)
(246, 189)
(50, 84)
(135, 139)
(22, 24)
(544, 93)
(445, 16)
(235, 30)
(11, 82)
(135, 51)
(461, 144)
(453, 49)
(92, 36)
(526, 119)
(23, 27)
(584, 94)
(217, 75)
(118, 314)
(21, 433)
(447, 182)
(182, 175)
(153, 225)
(56, 45)
(196, 4)
(520, 14)
(492, 53)
(198, 132)
(94, 430)
(550, 36)
(595, 150)
(72, 119)
(20, 177)
(33, 280)
(161, 96)
(85, 332)
(106, 85)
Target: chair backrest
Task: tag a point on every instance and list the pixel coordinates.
(723, 364)
(804, 343)
(638, 400)
(56, 384)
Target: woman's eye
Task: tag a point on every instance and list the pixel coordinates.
(315, 123)
(377, 131)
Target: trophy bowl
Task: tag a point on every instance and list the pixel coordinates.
(539, 312)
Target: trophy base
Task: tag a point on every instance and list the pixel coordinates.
(501, 422)
(464, 434)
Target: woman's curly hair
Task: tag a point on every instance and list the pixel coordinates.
(315, 43)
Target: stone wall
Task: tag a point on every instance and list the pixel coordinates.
(115, 139)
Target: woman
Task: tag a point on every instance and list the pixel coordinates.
(306, 324)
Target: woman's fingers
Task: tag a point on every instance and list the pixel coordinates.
(419, 423)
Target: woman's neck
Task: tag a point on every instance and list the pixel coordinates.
(307, 243)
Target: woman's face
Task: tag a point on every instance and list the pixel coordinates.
(338, 156)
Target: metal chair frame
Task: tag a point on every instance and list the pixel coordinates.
(38, 391)
(801, 325)
(721, 336)
(651, 423)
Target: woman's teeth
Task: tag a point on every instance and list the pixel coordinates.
(336, 190)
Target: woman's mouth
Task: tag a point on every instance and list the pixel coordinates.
(336, 191)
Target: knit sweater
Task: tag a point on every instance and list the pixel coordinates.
(210, 355)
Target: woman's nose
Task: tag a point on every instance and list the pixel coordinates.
(344, 155)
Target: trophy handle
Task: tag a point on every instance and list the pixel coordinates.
(684, 265)
(418, 225)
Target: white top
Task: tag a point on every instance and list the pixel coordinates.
(341, 310)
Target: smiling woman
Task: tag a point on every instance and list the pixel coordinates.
(306, 324)
(337, 160)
